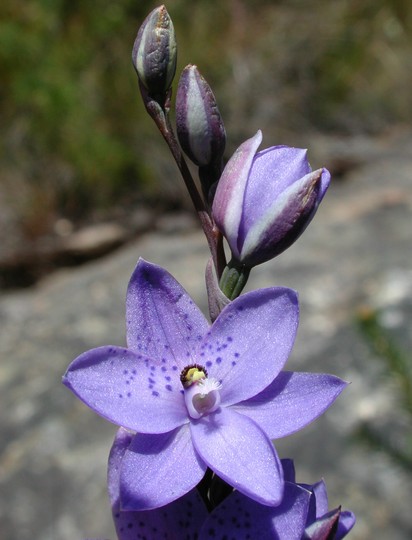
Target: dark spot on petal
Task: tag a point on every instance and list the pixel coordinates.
(209, 363)
(219, 360)
(168, 387)
(154, 393)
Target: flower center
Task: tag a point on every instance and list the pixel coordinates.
(202, 395)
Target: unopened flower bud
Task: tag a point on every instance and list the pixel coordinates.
(199, 125)
(154, 52)
(265, 200)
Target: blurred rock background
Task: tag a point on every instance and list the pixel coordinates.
(84, 175)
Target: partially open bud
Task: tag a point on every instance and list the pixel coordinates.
(265, 200)
(154, 52)
(199, 125)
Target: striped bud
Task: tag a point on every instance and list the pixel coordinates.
(199, 125)
(154, 52)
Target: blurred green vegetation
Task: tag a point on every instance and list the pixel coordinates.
(75, 137)
(395, 442)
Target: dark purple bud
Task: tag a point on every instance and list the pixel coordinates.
(199, 125)
(154, 52)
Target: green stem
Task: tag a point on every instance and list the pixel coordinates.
(159, 112)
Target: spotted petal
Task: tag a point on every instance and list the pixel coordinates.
(183, 517)
(250, 342)
(247, 519)
(128, 389)
(162, 320)
(291, 402)
(235, 448)
(158, 469)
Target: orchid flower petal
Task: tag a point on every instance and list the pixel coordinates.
(347, 520)
(288, 470)
(223, 441)
(291, 402)
(162, 320)
(276, 168)
(151, 466)
(128, 389)
(321, 496)
(242, 518)
(285, 219)
(121, 443)
(183, 517)
(250, 342)
(229, 196)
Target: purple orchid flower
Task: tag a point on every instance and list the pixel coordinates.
(265, 200)
(302, 507)
(188, 517)
(321, 524)
(201, 396)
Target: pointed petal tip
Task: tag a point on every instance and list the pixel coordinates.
(258, 136)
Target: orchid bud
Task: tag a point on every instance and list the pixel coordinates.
(154, 52)
(199, 125)
(265, 200)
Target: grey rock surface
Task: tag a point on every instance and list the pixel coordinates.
(357, 251)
